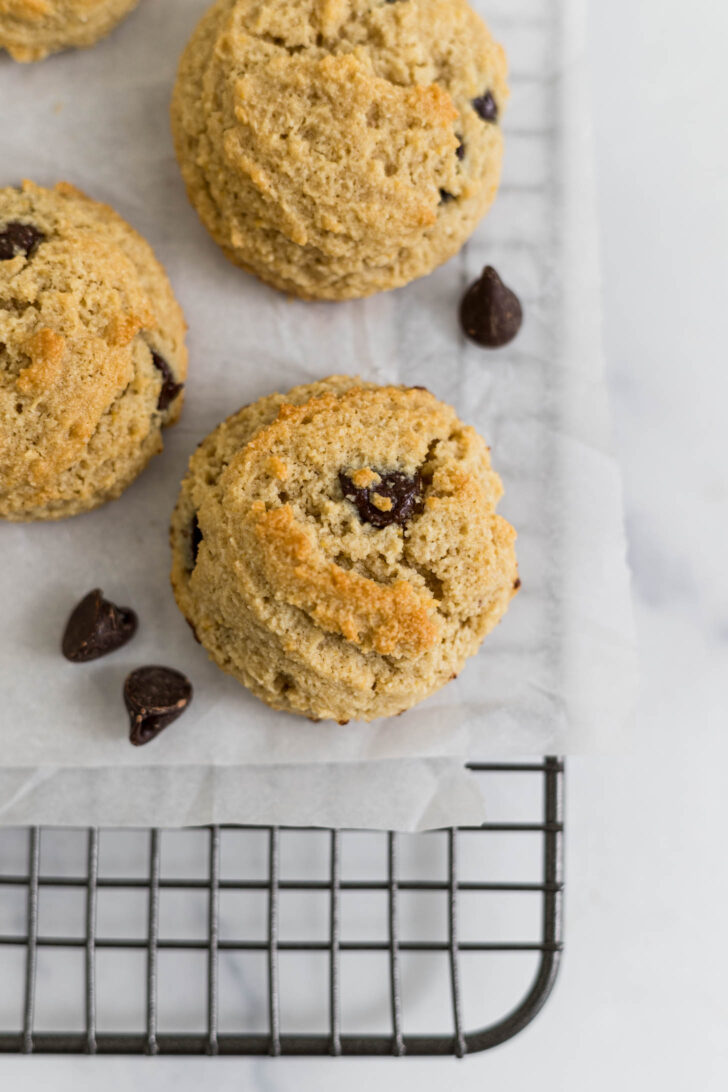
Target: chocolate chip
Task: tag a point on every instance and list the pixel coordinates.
(96, 628)
(17, 238)
(170, 387)
(490, 314)
(446, 197)
(517, 584)
(486, 106)
(155, 697)
(195, 538)
(460, 150)
(403, 493)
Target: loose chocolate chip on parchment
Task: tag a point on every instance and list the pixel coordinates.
(393, 499)
(17, 238)
(490, 313)
(96, 628)
(170, 387)
(486, 107)
(154, 697)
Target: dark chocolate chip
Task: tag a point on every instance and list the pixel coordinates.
(96, 628)
(404, 493)
(170, 387)
(195, 539)
(460, 150)
(446, 197)
(486, 106)
(155, 697)
(17, 238)
(517, 584)
(490, 314)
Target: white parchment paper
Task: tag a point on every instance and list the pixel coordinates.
(557, 675)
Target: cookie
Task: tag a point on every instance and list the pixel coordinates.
(31, 29)
(337, 148)
(92, 353)
(337, 549)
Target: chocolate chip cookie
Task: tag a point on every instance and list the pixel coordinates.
(337, 549)
(340, 148)
(92, 353)
(31, 29)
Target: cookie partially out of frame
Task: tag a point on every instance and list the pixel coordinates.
(92, 353)
(31, 29)
(337, 549)
(337, 148)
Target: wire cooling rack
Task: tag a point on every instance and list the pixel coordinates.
(281, 941)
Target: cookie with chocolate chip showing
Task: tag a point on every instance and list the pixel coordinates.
(92, 353)
(340, 148)
(31, 29)
(337, 549)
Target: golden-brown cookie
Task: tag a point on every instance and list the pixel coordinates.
(338, 551)
(337, 148)
(31, 29)
(92, 353)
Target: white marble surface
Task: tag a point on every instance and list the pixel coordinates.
(640, 1002)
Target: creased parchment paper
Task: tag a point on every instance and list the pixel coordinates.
(555, 677)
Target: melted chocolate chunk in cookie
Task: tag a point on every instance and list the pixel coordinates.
(446, 197)
(170, 387)
(390, 498)
(486, 106)
(460, 150)
(17, 238)
(96, 628)
(154, 698)
(490, 314)
(195, 539)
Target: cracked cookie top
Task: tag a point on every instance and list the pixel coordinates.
(340, 147)
(92, 355)
(338, 548)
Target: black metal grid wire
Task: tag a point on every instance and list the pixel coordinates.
(455, 1040)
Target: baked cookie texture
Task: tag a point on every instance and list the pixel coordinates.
(337, 148)
(92, 353)
(31, 29)
(337, 548)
